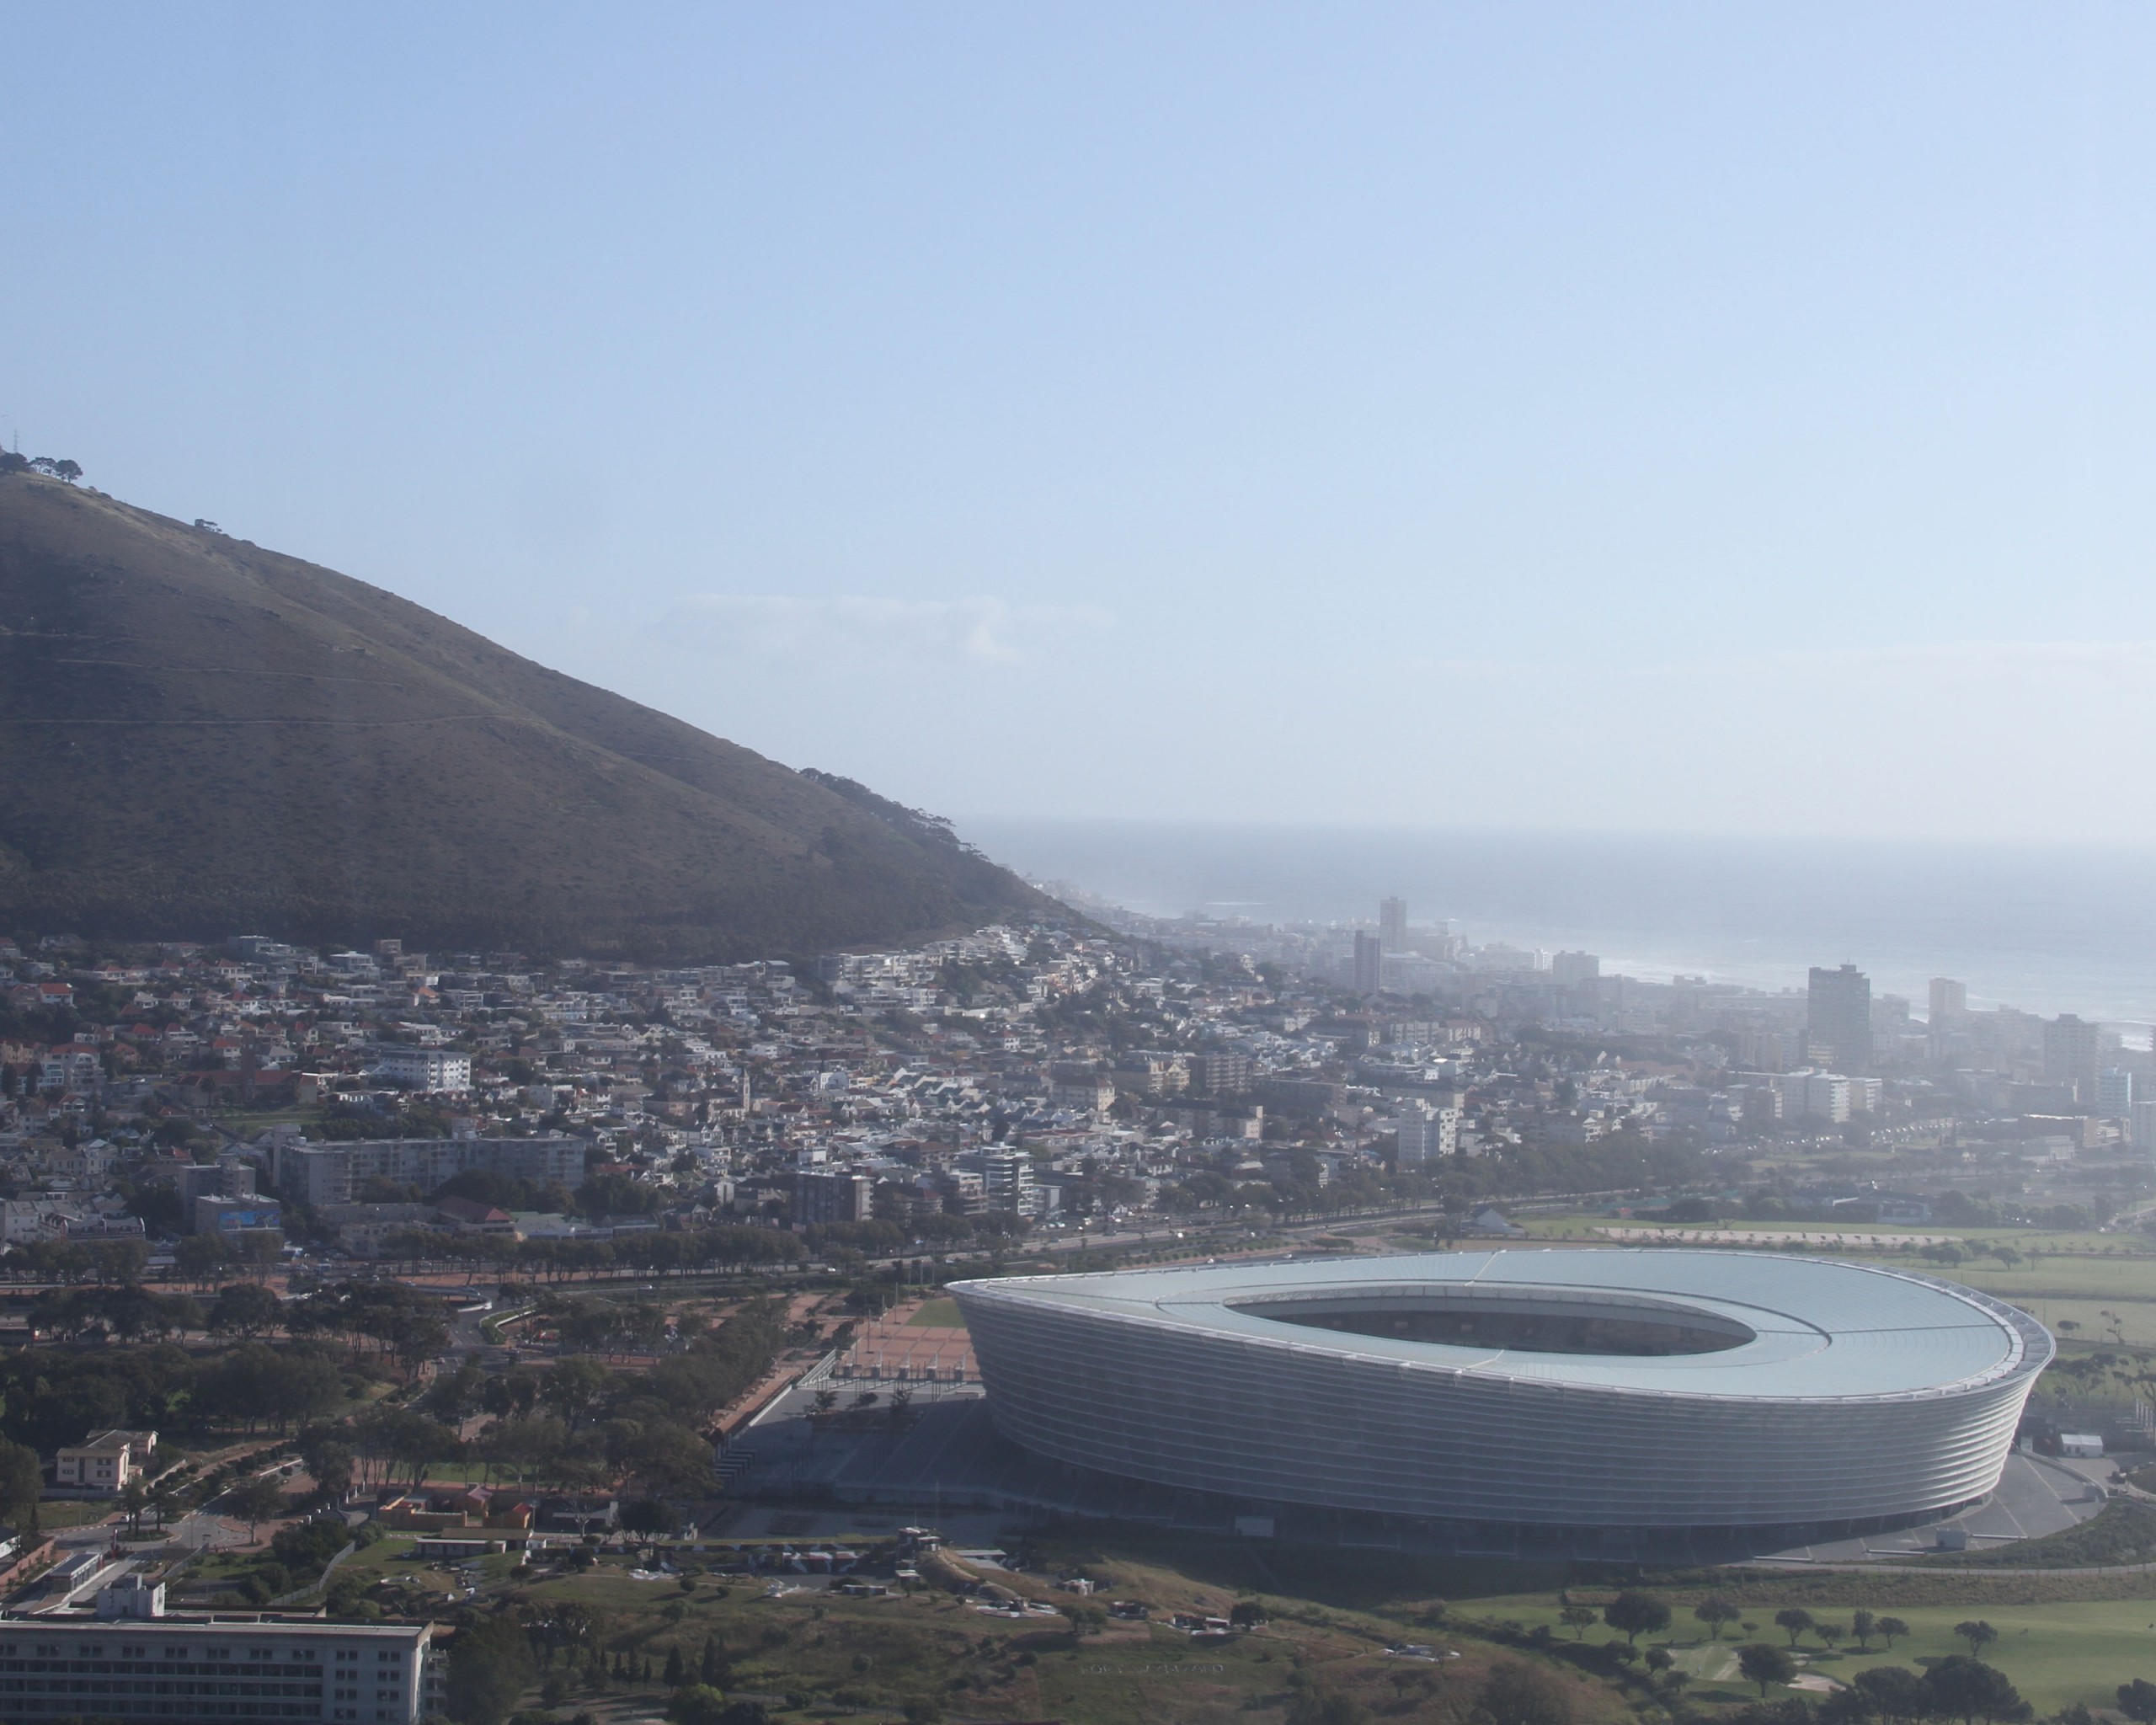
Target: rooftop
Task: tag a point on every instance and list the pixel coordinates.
(1685, 1323)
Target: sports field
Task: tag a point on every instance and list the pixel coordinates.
(938, 1315)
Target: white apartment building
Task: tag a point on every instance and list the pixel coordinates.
(103, 1462)
(203, 1668)
(330, 1173)
(1009, 1182)
(1827, 1096)
(1817, 1096)
(429, 1069)
(1427, 1134)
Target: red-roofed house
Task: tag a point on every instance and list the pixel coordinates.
(472, 1217)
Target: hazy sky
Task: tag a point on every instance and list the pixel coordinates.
(1701, 418)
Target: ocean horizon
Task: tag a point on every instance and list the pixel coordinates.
(2047, 929)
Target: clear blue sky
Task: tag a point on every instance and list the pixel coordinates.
(1698, 418)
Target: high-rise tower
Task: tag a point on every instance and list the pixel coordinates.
(1838, 1017)
(1368, 950)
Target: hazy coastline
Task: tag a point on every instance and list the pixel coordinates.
(2046, 929)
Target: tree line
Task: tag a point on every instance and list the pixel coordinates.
(56, 468)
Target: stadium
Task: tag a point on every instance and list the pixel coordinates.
(1672, 1388)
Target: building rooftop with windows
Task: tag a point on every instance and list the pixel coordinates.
(203, 1668)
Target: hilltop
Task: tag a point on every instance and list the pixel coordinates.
(200, 737)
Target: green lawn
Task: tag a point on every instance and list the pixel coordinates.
(2137, 1317)
(2072, 1276)
(2056, 1653)
(54, 1514)
(390, 1554)
(2064, 1277)
(938, 1315)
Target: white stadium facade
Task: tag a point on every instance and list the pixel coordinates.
(1669, 1389)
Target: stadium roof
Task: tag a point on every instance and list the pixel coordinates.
(1819, 1330)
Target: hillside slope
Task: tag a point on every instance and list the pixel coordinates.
(200, 738)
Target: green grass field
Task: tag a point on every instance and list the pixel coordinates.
(2073, 1277)
(2056, 1653)
(54, 1514)
(938, 1315)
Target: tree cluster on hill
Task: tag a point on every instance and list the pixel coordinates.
(917, 824)
(53, 467)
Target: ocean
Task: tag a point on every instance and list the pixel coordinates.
(2047, 929)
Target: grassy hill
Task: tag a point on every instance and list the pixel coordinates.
(200, 738)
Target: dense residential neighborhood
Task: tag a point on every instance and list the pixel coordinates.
(174, 1108)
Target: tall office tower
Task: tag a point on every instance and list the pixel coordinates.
(2115, 1089)
(1838, 1017)
(1392, 925)
(2074, 1051)
(1368, 950)
(1949, 999)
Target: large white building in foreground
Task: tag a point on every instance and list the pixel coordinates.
(1625, 1389)
(216, 1668)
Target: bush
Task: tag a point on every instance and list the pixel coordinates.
(306, 1547)
(646, 1515)
(697, 1704)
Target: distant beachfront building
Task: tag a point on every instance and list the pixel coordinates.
(1837, 1017)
